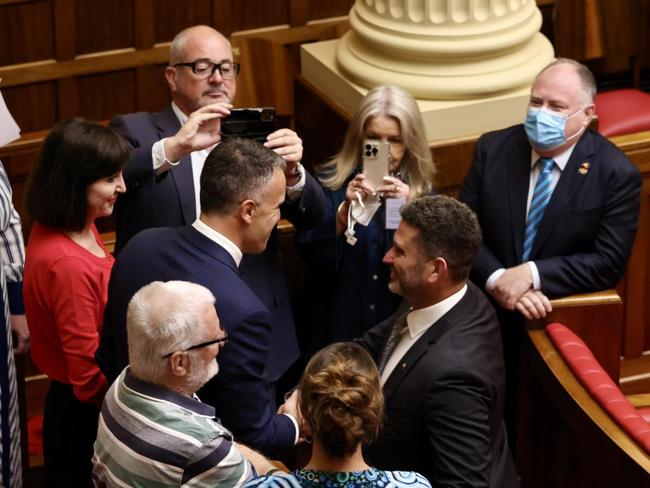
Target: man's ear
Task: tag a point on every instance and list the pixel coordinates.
(170, 76)
(247, 210)
(437, 269)
(590, 111)
(179, 363)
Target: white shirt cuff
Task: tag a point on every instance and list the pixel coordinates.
(492, 279)
(293, 192)
(534, 272)
(295, 424)
(159, 159)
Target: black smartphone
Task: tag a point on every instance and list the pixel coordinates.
(251, 123)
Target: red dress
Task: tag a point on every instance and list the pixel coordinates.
(65, 291)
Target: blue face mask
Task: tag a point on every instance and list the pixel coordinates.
(545, 129)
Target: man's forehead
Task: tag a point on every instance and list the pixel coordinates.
(560, 79)
(205, 46)
(405, 234)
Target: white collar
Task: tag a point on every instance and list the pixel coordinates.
(420, 320)
(220, 239)
(560, 160)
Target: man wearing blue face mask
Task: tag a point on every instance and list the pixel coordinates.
(558, 205)
(557, 202)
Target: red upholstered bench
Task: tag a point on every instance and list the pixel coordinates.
(599, 385)
(623, 112)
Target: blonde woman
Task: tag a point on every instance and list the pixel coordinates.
(346, 285)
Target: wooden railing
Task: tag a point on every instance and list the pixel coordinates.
(570, 440)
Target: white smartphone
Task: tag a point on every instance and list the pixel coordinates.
(375, 161)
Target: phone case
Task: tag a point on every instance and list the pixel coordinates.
(375, 161)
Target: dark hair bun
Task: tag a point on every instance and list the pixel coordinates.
(341, 399)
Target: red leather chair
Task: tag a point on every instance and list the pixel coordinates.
(623, 112)
(599, 385)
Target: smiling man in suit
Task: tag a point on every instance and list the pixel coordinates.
(440, 356)
(242, 189)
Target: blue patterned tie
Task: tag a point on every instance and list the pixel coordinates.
(541, 197)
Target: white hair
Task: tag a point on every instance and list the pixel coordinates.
(163, 317)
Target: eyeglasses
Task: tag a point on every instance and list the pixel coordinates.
(205, 69)
(223, 339)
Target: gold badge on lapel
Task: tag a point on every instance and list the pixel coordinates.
(584, 168)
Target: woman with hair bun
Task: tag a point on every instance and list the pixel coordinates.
(342, 406)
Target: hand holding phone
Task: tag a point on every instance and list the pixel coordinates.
(251, 123)
(375, 161)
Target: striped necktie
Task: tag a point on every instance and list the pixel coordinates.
(393, 339)
(538, 204)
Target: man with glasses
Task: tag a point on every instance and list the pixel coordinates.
(153, 428)
(242, 189)
(169, 150)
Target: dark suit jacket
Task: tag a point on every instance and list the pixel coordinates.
(168, 201)
(444, 400)
(586, 234)
(240, 393)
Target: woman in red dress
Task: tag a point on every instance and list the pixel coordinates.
(76, 180)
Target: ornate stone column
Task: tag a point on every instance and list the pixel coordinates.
(444, 49)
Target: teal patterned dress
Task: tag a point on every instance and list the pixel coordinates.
(372, 477)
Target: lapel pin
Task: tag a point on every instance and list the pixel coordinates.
(584, 168)
(403, 365)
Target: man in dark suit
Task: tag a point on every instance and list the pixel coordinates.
(440, 356)
(558, 205)
(169, 149)
(242, 189)
(576, 236)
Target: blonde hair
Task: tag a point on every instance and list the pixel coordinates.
(341, 398)
(417, 167)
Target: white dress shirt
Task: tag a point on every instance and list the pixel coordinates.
(418, 322)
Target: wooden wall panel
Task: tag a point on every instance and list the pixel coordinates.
(152, 92)
(103, 25)
(102, 96)
(172, 16)
(331, 8)
(33, 106)
(26, 32)
(259, 13)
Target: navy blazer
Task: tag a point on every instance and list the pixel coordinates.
(586, 235)
(168, 200)
(241, 392)
(444, 400)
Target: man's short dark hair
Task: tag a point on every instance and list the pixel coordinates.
(235, 170)
(75, 154)
(448, 229)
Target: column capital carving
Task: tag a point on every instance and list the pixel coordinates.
(445, 49)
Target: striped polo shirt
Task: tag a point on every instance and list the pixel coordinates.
(151, 436)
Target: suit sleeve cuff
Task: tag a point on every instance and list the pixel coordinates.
(295, 425)
(534, 273)
(294, 192)
(15, 295)
(492, 279)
